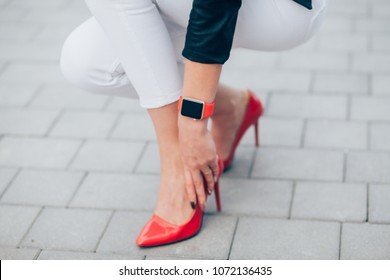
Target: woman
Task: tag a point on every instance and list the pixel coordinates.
(139, 45)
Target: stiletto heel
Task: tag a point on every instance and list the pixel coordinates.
(158, 231)
(217, 197)
(257, 133)
(253, 112)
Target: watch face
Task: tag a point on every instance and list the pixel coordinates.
(192, 109)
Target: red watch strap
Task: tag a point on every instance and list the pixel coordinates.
(208, 108)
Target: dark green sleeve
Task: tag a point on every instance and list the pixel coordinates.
(306, 3)
(210, 30)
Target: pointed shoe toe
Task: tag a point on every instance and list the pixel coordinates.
(157, 231)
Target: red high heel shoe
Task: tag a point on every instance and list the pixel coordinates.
(253, 112)
(157, 231)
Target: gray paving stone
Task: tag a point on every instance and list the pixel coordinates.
(279, 132)
(134, 127)
(121, 233)
(242, 162)
(84, 124)
(373, 25)
(246, 59)
(32, 73)
(52, 33)
(11, 14)
(267, 80)
(41, 187)
(285, 239)
(368, 167)
(68, 98)
(298, 164)
(380, 137)
(314, 61)
(117, 191)
(337, 25)
(108, 156)
(26, 122)
(68, 255)
(344, 8)
(67, 229)
(372, 109)
(308, 106)
(341, 83)
(43, 3)
(29, 51)
(15, 95)
(216, 233)
(18, 254)
(58, 16)
(379, 206)
(14, 223)
(255, 197)
(17, 32)
(329, 201)
(150, 161)
(347, 135)
(374, 238)
(6, 175)
(381, 42)
(381, 84)
(381, 9)
(36, 152)
(371, 63)
(343, 42)
(121, 104)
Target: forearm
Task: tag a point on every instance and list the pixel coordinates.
(200, 82)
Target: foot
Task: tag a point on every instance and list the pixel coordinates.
(173, 205)
(230, 107)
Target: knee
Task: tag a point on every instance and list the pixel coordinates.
(75, 61)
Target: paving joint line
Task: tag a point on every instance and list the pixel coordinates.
(141, 155)
(19, 170)
(233, 237)
(294, 186)
(368, 203)
(104, 231)
(82, 180)
(30, 227)
(118, 118)
(81, 145)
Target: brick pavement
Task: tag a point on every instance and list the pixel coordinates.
(79, 171)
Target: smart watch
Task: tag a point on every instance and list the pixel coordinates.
(194, 108)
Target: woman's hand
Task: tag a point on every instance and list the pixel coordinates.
(199, 159)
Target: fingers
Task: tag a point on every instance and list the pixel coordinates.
(190, 188)
(199, 188)
(208, 178)
(216, 171)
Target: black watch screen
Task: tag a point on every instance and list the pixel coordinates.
(192, 109)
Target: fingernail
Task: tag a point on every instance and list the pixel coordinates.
(215, 178)
(193, 205)
(209, 191)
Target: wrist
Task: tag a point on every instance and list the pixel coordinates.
(195, 127)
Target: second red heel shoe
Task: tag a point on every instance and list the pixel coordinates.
(253, 112)
(157, 231)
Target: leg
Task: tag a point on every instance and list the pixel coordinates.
(139, 36)
(89, 61)
(173, 204)
(277, 25)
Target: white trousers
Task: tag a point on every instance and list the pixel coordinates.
(132, 48)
